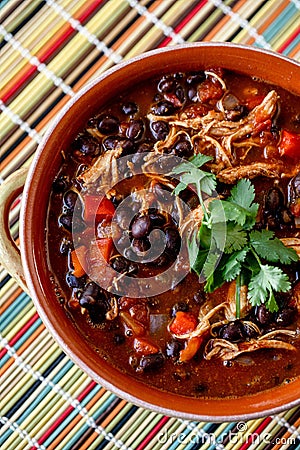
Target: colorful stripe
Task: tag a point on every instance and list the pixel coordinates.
(49, 50)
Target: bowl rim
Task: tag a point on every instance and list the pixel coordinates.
(259, 406)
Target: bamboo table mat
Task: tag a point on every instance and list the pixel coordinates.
(49, 50)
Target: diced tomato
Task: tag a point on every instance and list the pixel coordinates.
(261, 126)
(295, 208)
(254, 101)
(136, 327)
(144, 347)
(184, 322)
(140, 312)
(173, 99)
(78, 258)
(208, 90)
(196, 110)
(105, 246)
(290, 145)
(96, 210)
(191, 349)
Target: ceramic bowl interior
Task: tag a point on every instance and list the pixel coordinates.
(263, 64)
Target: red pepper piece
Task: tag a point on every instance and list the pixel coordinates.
(96, 210)
(295, 208)
(184, 322)
(290, 145)
(78, 258)
(254, 101)
(144, 347)
(105, 247)
(191, 349)
(209, 90)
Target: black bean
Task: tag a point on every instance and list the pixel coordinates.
(129, 108)
(173, 240)
(236, 113)
(192, 94)
(163, 108)
(199, 297)
(232, 331)
(87, 301)
(123, 265)
(116, 142)
(92, 289)
(173, 348)
(60, 183)
(195, 78)
(274, 200)
(86, 144)
(141, 245)
(263, 315)
(183, 147)
(285, 316)
(166, 84)
(73, 281)
(112, 142)
(249, 332)
(151, 362)
(108, 124)
(141, 226)
(160, 130)
(157, 219)
(66, 220)
(70, 199)
(179, 92)
(128, 146)
(97, 311)
(135, 129)
(179, 306)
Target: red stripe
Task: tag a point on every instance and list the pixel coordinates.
(42, 58)
(20, 333)
(64, 415)
(290, 39)
(153, 433)
(183, 22)
(254, 436)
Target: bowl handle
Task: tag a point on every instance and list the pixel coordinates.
(10, 256)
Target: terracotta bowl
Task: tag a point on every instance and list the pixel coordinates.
(34, 271)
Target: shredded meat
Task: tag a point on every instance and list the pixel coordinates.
(104, 170)
(232, 174)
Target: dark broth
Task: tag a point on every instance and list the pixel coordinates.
(126, 125)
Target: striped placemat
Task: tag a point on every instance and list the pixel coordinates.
(49, 50)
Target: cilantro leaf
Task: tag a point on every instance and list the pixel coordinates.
(263, 284)
(225, 238)
(240, 205)
(200, 159)
(243, 194)
(180, 187)
(233, 264)
(236, 238)
(212, 272)
(192, 174)
(269, 247)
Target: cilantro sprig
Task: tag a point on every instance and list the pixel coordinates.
(226, 246)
